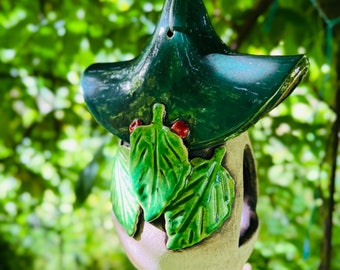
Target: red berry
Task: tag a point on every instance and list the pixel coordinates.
(181, 128)
(135, 123)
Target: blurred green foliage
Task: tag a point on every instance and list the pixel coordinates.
(55, 160)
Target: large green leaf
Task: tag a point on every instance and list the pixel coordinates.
(159, 165)
(124, 201)
(204, 204)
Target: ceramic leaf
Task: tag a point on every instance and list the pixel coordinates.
(159, 165)
(204, 204)
(124, 201)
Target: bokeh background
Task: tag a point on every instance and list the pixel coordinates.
(56, 161)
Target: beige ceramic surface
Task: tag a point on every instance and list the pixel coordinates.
(221, 250)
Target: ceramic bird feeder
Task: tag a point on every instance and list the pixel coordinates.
(184, 186)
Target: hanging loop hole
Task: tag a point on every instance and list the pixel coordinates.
(170, 33)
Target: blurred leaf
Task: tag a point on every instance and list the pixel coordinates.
(87, 178)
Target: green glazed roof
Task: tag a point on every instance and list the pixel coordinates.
(186, 67)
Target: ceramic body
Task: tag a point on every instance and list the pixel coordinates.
(184, 194)
(227, 248)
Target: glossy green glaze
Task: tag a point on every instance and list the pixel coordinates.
(159, 165)
(124, 200)
(203, 205)
(194, 197)
(186, 66)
